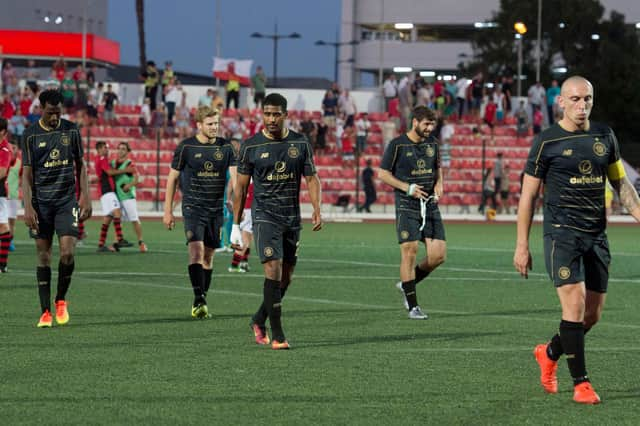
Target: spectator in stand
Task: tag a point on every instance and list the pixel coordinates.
(522, 120)
(348, 140)
(109, 100)
(145, 117)
(97, 92)
(389, 89)
(446, 134)
(91, 76)
(183, 118)
(308, 128)
(461, 94)
(76, 73)
(59, 67)
(505, 86)
(477, 93)
(498, 172)
(159, 119)
(25, 103)
(347, 105)
(490, 113)
(369, 187)
(68, 91)
(35, 113)
(168, 77)
(362, 132)
(329, 108)
(233, 90)
(321, 138)
(504, 192)
(151, 78)
(8, 72)
(423, 95)
(406, 101)
(206, 99)
(173, 98)
(537, 120)
(17, 124)
(500, 101)
(92, 111)
(488, 192)
(82, 91)
(552, 101)
(216, 101)
(31, 75)
(259, 86)
(537, 96)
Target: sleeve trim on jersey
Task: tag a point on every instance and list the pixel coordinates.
(616, 171)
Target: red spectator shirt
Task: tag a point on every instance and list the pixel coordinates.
(5, 163)
(105, 182)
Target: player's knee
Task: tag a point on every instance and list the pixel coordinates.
(44, 258)
(66, 258)
(591, 319)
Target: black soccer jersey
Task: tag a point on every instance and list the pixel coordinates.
(276, 167)
(203, 173)
(415, 163)
(52, 154)
(574, 167)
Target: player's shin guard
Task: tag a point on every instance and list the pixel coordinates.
(118, 227)
(409, 288)
(64, 279)
(196, 275)
(43, 275)
(554, 348)
(103, 234)
(572, 336)
(421, 274)
(273, 305)
(207, 280)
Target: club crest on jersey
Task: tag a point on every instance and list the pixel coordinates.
(585, 167)
(564, 272)
(430, 151)
(293, 152)
(65, 140)
(54, 154)
(218, 155)
(280, 166)
(421, 163)
(599, 149)
(208, 166)
(404, 235)
(268, 252)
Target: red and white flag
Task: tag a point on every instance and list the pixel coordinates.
(227, 68)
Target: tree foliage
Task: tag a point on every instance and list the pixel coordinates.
(611, 63)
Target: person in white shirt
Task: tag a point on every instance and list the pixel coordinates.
(537, 95)
(347, 106)
(362, 131)
(389, 89)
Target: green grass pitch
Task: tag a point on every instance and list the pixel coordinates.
(131, 354)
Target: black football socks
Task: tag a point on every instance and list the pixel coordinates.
(43, 275)
(64, 279)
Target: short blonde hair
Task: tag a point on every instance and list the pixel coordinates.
(206, 111)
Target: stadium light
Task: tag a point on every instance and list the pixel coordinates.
(560, 70)
(481, 25)
(562, 25)
(520, 27)
(403, 26)
(637, 25)
(427, 73)
(336, 45)
(275, 37)
(57, 20)
(595, 37)
(402, 69)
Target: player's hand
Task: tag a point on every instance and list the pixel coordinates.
(169, 221)
(522, 261)
(236, 237)
(438, 192)
(85, 208)
(316, 219)
(31, 218)
(416, 191)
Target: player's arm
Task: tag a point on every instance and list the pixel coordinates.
(439, 186)
(315, 195)
(522, 256)
(412, 190)
(628, 195)
(85, 200)
(115, 172)
(240, 190)
(136, 178)
(30, 216)
(233, 177)
(168, 219)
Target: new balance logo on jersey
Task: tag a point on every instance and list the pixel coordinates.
(198, 155)
(264, 155)
(567, 153)
(42, 145)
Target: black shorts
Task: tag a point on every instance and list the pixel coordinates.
(59, 218)
(572, 257)
(203, 227)
(408, 224)
(274, 241)
(258, 98)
